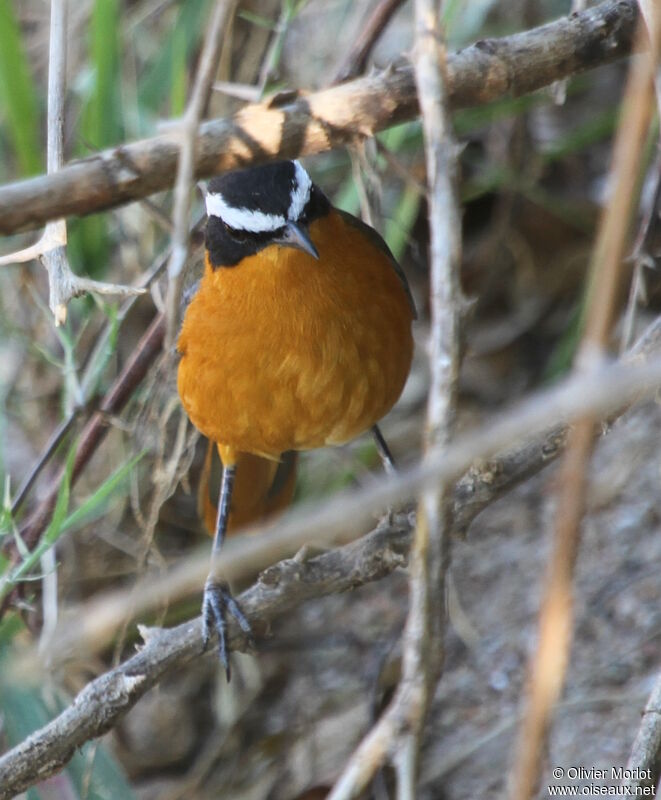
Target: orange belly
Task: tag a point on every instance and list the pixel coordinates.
(283, 352)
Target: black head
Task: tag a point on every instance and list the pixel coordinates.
(253, 208)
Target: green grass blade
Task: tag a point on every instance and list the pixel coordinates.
(397, 231)
(102, 117)
(101, 126)
(94, 505)
(156, 85)
(51, 534)
(179, 79)
(18, 95)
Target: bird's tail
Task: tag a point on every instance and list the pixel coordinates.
(261, 487)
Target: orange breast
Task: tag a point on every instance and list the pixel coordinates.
(283, 352)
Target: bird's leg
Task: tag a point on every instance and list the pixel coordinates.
(384, 451)
(388, 463)
(218, 601)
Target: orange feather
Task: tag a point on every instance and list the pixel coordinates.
(283, 352)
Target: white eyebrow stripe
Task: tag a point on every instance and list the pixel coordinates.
(301, 195)
(242, 219)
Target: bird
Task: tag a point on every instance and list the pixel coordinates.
(262, 489)
(299, 336)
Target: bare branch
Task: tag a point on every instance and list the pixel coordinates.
(549, 662)
(287, 127)
(423, 647)
(280, 589)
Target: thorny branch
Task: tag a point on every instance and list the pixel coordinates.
(286, 127)
(286, 585)
(549, 662)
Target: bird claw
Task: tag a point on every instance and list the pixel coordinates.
(217, 603)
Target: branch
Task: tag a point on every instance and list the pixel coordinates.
(287, 127)
(280, 589)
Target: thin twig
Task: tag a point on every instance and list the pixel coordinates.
(55, 259)
(642, 257)
(549, 662)
(289, 125)
(422, 656)
(195, 111)
(54, 256)
(55, 440)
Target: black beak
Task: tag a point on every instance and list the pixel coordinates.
(296, 236)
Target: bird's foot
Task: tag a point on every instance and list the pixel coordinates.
(217, 603)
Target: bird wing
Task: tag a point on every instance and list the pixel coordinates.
(378, 241)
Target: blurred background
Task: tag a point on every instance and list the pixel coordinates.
(534, 179)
